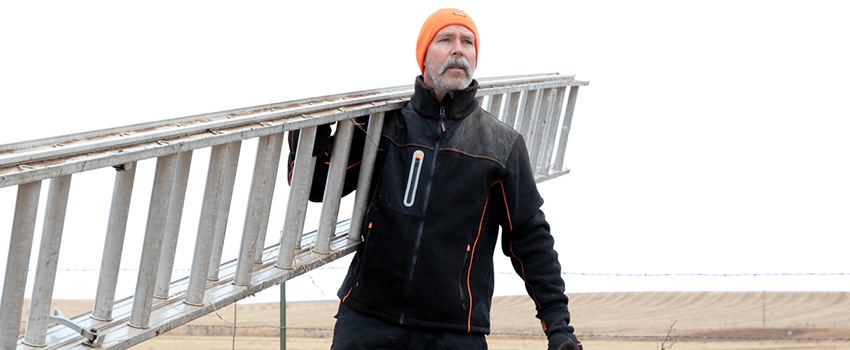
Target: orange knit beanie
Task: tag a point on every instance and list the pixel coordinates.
(439, 20)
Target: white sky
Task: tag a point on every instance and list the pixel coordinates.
(712, 137)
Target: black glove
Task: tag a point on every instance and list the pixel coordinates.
(323, 139)
(320, 145)
(564, 340)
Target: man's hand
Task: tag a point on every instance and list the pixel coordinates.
(323, 140)
(564, 340)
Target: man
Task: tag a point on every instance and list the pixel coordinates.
(448, 174)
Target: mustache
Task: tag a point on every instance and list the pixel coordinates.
(456, 61)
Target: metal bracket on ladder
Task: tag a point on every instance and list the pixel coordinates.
(92, 338)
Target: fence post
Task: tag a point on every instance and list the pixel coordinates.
(283, 316)
(17, 263)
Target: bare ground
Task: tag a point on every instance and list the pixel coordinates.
(610, 321)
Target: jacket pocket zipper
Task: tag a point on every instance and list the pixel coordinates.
(413, 178)
(362, 256)
(460, 280)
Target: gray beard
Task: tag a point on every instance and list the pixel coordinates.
(445, 84)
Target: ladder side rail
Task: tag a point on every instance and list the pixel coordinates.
(48, 259)
(502, 88)
(271, 182)
(172, 224)
(152, 243)
(113, 246)
(301, 182)
(367, 169)
(58, 140)
(63, 146)
(228, 182)
(241, 111)
(43, 164)
(334, 185)
(254, 211)
(209, 125)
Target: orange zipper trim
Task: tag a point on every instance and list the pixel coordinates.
(469, 272)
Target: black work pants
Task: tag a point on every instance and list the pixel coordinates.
(355, 331)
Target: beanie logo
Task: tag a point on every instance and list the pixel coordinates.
(460, 14)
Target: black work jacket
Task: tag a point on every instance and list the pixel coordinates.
(447, 176)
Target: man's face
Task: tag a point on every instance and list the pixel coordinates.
(450, 59)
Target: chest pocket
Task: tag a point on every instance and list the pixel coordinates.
(413, 178)
(405, 180)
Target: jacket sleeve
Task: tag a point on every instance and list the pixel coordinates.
(527, 241)
(322, 151)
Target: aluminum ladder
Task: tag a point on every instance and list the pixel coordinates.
(540, 106)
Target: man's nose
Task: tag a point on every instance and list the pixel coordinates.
(457, 48)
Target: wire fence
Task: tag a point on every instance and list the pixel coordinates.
(233, 330)
(611, 274)
(318, 332)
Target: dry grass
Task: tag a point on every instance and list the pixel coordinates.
(596, 315)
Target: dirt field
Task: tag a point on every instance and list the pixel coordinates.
(609, 321)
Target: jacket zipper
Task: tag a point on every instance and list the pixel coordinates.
(443, 118)
(408, 288)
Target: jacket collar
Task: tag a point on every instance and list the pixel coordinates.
(458, 103)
